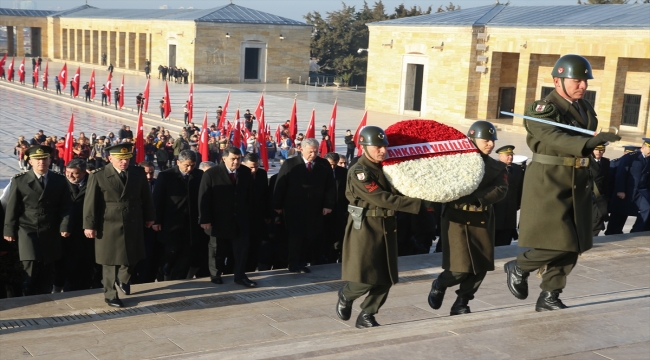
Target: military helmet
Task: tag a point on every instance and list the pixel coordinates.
(373, 135)
(482, 130)
(572, 67)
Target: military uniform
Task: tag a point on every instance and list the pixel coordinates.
(619, 209)
(633, 179)
(505, 211)
(37, 213)
(116, 209)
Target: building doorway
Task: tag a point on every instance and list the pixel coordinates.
(252, 64)
(172, 55)
(506, 102)
(413, 87)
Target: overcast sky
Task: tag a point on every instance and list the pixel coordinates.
(293, 9)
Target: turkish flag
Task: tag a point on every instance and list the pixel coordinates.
(332, 129)
(10, 71)
(107, 87)
(259, 108)
(63, 76)
(92, 84)
(203, 139)
(145, 106)
(75, 81)
(362, 123)
(190, 107)
(139, 140)
(293, 123)
(21, 72)
(278, 134)
(222, 120)
(46, 75)
(167, 104)
(36, 77)
(261, 139)
(67, 151)
(122, 95)
(2, 64)
(311, 132)
(236, 138)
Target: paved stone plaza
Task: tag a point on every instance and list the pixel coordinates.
(292, 317)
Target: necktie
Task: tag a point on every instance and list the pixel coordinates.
(309, 166)
(583, 115)
(123, 177)
(42, 182)
(232, 177)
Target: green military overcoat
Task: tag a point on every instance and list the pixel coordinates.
(468, 237)
(118, 213)
(556, 209)
(370, 253)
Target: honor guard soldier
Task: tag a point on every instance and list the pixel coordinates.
(467, 231)
(633, 183)
(37, 216)
(505, 211)
(599, 167)
(118, 203)
(556, 219)
(619, 209)
(370, 244)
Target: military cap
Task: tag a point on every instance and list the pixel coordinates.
(39, 152)
(507, 150)
(121, 151)
(600, 147)
(630, 148)
(646, 141)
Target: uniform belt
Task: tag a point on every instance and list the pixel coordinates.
(471, 208)
(380, 213)
(576, 162)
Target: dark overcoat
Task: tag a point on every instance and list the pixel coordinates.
(468, 237)
(556, 205)
(227, 206)
(177, 206)
(505, 211)
(302, 194)
(118, 213)
(370, 253)
(36, 216)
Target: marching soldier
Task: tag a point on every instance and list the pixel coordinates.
(118, 202)
(467, 233)
(556, 219)
(37, 216)
(633, 183)
(599, 167)
(619, 209)
(505, 211)
(370, 245)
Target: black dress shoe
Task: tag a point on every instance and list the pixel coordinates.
(436, 295)
(124, 287)
(305, 270)
(216, 280)
(366, 320)
(114, 302)
(460, 307)
(548, 301)
(517, 279)
(246, 282)
(343, 307)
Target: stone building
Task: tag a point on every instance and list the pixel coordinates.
(228, 44)
(474, 63)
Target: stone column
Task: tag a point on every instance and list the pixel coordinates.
(79, 41)
(87, 46)
(609, 102)
(489, 88)
(71, 47)
(129, 50)
(94, 47)
(11, 49)
(526, 83)
(112, 46)
(20, 41)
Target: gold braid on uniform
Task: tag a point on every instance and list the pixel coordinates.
(548, 112)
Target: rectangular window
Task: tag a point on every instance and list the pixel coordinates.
(631, 107)
(546, 90)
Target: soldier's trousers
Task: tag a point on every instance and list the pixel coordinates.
(469, 283)
(558, 266)
(39, 277)
(377, 295)
(110, 274)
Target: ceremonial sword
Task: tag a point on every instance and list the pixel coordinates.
(564, 126)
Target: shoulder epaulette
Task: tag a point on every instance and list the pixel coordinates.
(96, 170)
(542, 108)
(20, 174)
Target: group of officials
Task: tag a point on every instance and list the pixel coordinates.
(224, 208)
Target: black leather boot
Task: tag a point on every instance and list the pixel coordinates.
(460, 307)
(549, 300)
(517, 279)
(366, 320)
(343, 307)
(436, 295)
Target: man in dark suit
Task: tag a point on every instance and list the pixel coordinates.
(147, 268)
(37, 216)
(599, 167)
(225, 210)
(175, 197)
(633, 182)
(261, 210)
(305, 193)
(334, 223)
(118, 203)
(619, 209)
(505, 211)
